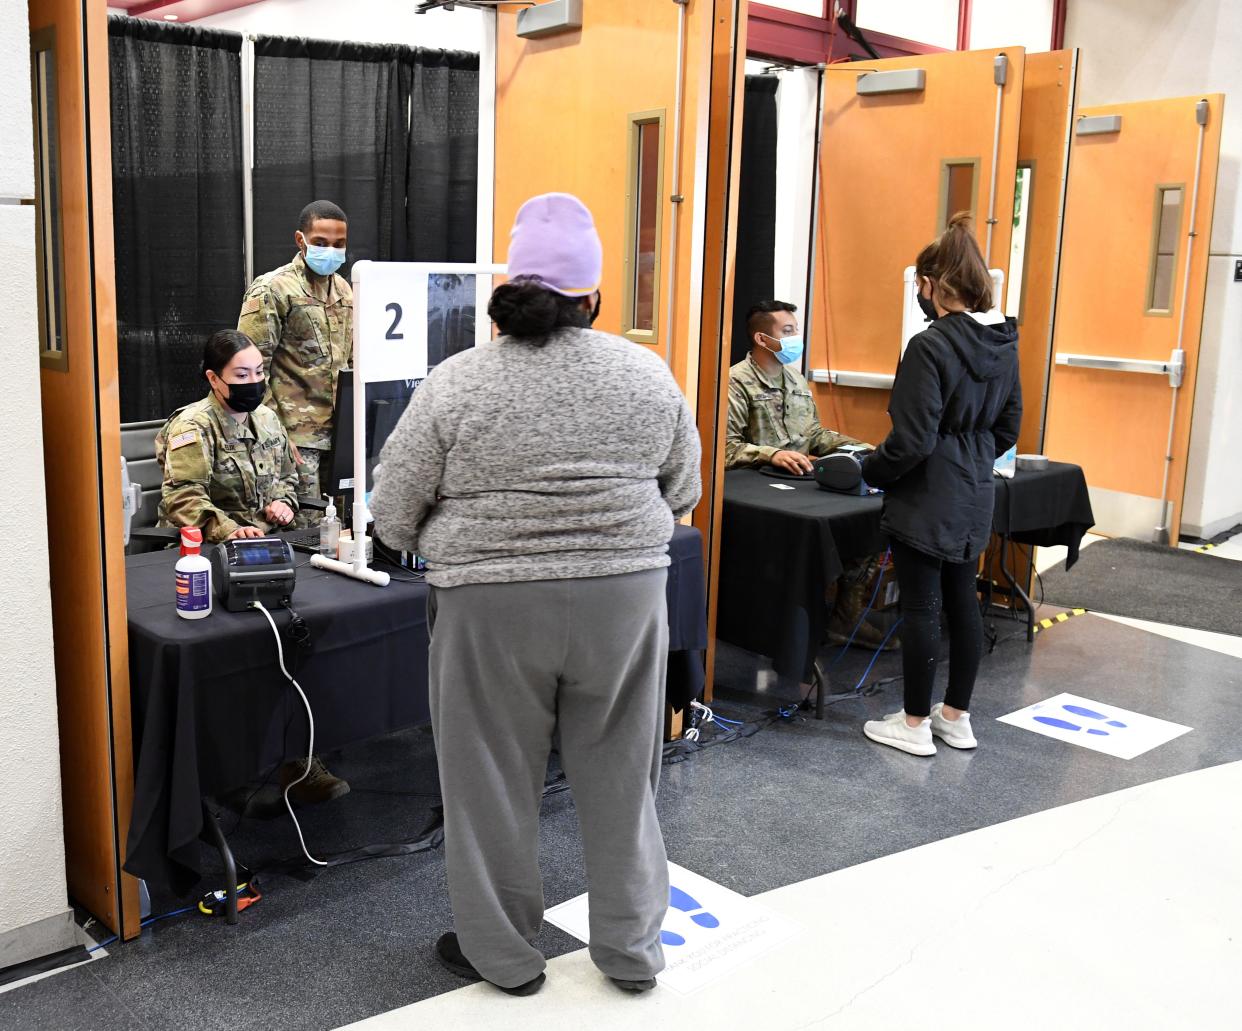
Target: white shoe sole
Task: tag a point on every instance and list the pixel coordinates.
(955, 742)
(904, 746)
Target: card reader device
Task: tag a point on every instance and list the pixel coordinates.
(841, 470)
(249, 569)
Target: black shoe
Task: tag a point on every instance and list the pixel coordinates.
(449, 953)
(634, 986)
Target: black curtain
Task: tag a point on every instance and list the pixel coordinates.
(177, 205)
(331, 123)
(442, 177)
(754, 272)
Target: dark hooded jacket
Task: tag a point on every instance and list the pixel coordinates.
(956, 405)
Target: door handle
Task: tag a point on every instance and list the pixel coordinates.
(1174, 368)
(843, 378)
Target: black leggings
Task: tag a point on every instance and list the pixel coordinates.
(928, 586)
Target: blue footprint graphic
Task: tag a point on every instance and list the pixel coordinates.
(1085, 713)
(678, 899)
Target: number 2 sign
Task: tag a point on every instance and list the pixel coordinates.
(390, 314)
(390, 320)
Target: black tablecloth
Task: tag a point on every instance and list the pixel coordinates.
(780, 549)
(210, 706)
(1045, 507)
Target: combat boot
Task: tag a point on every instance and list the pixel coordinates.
(319, 785)
(851, 603)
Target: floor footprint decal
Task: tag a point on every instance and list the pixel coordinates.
(680, 900)
(1085, 713)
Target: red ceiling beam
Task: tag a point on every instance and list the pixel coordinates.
(786, 36)
(1058, 24)
(802, 39)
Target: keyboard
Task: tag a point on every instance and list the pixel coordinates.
(302, 540)
(782, 474)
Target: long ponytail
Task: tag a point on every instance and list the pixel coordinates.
(956, 264)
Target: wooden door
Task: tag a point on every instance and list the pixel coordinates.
(1048, 86)
(894, 165)
(1133, 274)
(82, 450)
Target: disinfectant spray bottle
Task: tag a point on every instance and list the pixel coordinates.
(193, 576)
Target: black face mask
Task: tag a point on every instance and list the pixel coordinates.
(929, 309)
(595, 311)
(245, 397)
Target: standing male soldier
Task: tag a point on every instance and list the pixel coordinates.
(301, 316)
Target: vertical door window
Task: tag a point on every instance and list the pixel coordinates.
(643, 233)
(1016, 288)
(1167, 223)
(52, 351)
(959, 188)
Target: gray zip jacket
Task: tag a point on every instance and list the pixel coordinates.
(517, 462)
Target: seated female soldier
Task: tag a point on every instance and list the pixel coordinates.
(229, 469)
(228, 466)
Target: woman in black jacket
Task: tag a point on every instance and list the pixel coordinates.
(956, 405)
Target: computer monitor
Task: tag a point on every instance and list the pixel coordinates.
(450, 329)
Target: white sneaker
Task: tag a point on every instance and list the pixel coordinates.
(893, 730)
(956, 733)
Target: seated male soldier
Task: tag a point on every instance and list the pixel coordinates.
(773, 421)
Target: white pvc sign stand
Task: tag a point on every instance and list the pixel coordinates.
(390, 343)
(913, 321)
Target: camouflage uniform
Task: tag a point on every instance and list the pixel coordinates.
(305, 343)
(220, 474)
(769, 414)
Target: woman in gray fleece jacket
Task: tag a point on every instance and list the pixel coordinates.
(539, 475)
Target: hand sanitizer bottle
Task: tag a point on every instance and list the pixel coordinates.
(329, 532)
(193, 576)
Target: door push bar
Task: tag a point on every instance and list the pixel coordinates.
(1174, 368)
(842, 378)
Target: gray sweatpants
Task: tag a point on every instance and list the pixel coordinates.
(512, 665)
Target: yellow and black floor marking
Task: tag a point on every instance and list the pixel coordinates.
(1060, 617)
(1206, 547)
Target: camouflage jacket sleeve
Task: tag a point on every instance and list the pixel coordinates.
(186, 497)
(260, 320)
(289, 478)
(739, 452)
(821, 441)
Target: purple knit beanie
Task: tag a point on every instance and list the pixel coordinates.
(554, 240)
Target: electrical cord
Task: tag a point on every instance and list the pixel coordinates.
(384, 554)
(300, 635)
(875, 593)
(867, 672)
(310, 717)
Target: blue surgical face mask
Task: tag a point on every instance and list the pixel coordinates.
(323, 261)
(790, 350)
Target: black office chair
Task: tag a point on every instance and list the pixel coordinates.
(142, 480)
